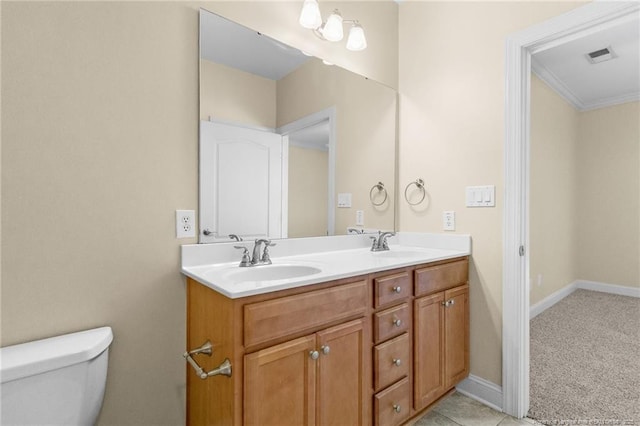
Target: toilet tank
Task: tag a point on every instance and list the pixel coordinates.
(55, 381)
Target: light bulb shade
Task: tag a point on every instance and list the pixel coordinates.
(356, 40)
(332, 30)
(310, 15)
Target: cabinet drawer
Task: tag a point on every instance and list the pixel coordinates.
(391, 322)
(391, 361)
(441, 277)
(391, 288)
(391, 406)
(272, 319)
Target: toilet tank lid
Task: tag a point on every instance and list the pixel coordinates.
(39, 356)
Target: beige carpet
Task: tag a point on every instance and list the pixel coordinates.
(585, 361)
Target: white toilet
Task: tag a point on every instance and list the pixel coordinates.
(55, 381)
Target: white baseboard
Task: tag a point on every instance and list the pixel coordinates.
(608, 288)
(554, 298)
(551, 300)
(482, 391)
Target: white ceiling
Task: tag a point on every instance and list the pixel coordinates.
(589, 86)
(231, 44)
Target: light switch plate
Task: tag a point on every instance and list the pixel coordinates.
(344, 200)
(481, 196)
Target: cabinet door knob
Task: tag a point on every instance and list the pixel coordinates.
(314, 355)
(397, 408)
(397, 289)
(397, 322)
(397, 362)
(325, 349)
(448, 303)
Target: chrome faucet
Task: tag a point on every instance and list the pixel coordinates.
(235, 237)
(256, 258)
(380, 243)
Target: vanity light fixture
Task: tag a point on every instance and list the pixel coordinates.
(332, 29)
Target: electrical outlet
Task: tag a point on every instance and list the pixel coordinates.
(359, 217)
(185, 223)
(449, 221)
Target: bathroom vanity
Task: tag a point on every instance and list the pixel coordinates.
(374, 346)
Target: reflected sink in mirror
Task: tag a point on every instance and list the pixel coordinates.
(271, 273)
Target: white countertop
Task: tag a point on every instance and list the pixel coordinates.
(335, 257)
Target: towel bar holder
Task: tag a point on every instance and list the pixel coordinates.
(223, 369)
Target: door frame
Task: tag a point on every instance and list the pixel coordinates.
(310, 120)
(519, 47)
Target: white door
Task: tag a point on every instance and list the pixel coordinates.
(240, 182)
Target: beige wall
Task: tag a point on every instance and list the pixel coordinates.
(99, 136)
(99, 148)
(230, 94)
(553, 191)
(584, 171)
(451, 84)
(365, 134)
(608, 199)
(308, 192)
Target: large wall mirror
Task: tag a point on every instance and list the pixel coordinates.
(289, 146)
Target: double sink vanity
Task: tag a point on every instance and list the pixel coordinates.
(330, 332)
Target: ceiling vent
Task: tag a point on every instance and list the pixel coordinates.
(601, 55)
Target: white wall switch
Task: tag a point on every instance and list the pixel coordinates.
(359, 217)
(481, 196)
(344, 200)
(185, 223)
(449, 221)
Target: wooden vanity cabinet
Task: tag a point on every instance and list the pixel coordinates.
(392, 350)
(299, 356)
(290, 382)
(441, 330)
(355, 351)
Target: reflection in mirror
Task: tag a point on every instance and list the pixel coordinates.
(289, 146)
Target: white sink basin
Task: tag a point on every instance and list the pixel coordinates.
(271, 272)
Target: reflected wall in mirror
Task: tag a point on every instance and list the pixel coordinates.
(289, 146)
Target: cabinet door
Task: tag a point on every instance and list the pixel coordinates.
(456, 335)
(279, 384)
(429, 382)
(341, 375)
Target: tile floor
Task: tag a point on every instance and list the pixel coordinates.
(459, 410)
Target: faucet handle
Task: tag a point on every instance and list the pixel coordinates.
(374, 244)
(246, 259)
(266, 259)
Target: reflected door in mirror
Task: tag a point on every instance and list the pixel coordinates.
(242, 193)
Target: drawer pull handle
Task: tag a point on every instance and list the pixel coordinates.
(325, 349)
(314, 355)
(397, 322)
(397, 289)
(397, 362)
(397, 408)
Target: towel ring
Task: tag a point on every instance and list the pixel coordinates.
(380, 187)
(419, 183)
